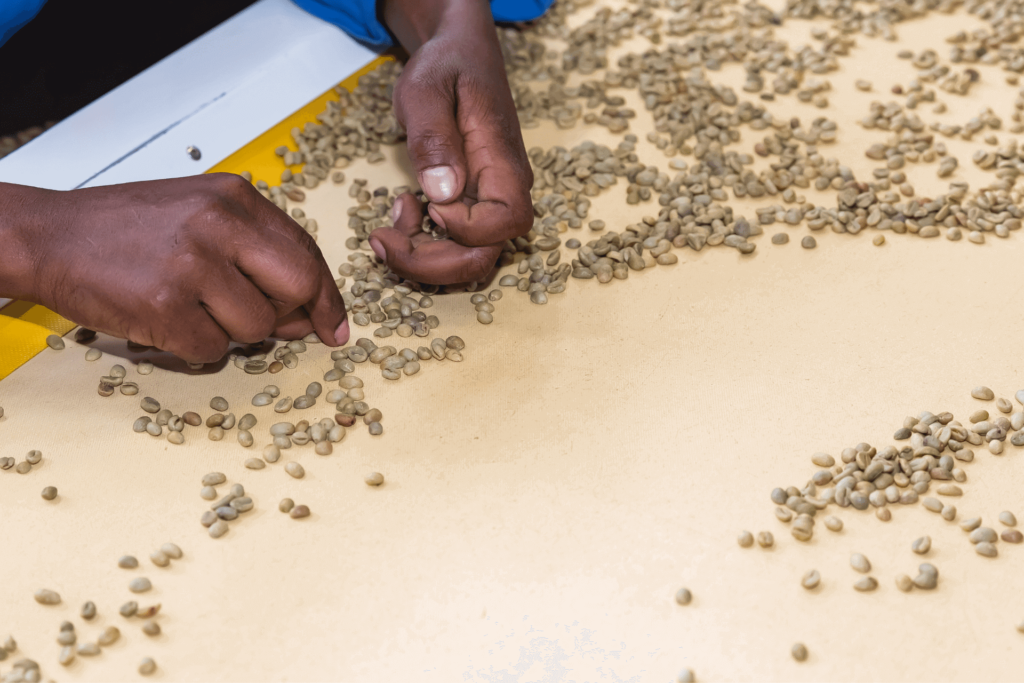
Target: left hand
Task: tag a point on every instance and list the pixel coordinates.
(465, 144)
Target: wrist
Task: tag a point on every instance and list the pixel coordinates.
(414, 22)
(23, 220)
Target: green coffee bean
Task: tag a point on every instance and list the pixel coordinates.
(983, 393)
(922, 545)
(986, 549)
(110, 635)
(139, 585)
(868, 583)
(171, 550)
(860, 563)
(44, 596)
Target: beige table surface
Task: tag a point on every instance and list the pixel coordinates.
(546, 497)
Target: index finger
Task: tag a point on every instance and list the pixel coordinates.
(433, 262)
(284, 262)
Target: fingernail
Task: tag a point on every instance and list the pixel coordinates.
(341, 334)
(378, 249)
(438, 183)
(396, 213)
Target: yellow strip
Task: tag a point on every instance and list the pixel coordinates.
(24, 336)
(258, 156)
(24, 327)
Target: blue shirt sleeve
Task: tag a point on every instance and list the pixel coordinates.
(16, 13)
(358, 18)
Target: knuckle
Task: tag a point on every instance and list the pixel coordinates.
(431, 147)
(230, 185)
(302, 284)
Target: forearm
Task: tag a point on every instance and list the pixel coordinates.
(414, 22)
(22, 217)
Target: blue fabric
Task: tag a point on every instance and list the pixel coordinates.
(16, 13)
(358, 18)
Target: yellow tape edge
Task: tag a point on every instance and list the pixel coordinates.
(258, 157)
(24, 326)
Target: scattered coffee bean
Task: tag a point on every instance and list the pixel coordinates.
(986, 549)
(44, 596)
(860, 563)
(922, 545)
(868, 583)
(833, 523)
(110, 635)
(139, 585)
(983, 393)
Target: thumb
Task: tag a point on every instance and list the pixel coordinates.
(435, 143)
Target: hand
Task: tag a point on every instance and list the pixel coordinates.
(186, 265)
(464, 142)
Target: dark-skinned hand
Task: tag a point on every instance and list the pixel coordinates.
(186, 265)
(464, 142)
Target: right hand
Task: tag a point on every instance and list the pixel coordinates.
(186, 265)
